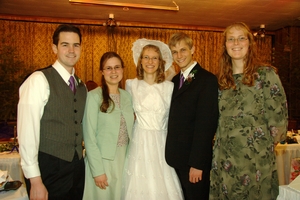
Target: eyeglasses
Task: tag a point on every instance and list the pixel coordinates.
(110, 69)
(147, 59)
(232, 40)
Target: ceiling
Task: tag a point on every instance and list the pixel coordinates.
(275, 14)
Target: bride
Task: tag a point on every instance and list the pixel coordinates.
(147, 175)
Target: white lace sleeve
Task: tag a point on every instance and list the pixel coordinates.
(128, 86)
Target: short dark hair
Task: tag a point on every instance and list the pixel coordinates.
(65, 28)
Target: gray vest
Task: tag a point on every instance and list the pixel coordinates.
(61, 123)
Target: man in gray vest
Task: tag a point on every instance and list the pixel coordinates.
(50, 111)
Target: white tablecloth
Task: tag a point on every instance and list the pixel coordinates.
(286, 193)
(284, 155)
(11, 162)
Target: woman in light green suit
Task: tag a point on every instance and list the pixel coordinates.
(107, 128)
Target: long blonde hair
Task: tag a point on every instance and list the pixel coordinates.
(160, 75)
(251, 61)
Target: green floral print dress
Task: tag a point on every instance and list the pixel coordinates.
(251, 120)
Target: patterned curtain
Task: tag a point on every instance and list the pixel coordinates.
(33, 41)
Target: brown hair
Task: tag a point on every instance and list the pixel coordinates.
(160, 73)
(105, 90)
(252, 63)
(65, 28)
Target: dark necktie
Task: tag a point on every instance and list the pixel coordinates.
(181, 80)
(72, 84)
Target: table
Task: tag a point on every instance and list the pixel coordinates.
(11, 162)
(284, 155)
(287, 193)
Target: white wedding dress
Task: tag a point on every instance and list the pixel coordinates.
(147, 176)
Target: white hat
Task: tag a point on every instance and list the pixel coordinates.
(139, 44)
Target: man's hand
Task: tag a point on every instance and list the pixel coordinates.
(101, 181)
(195, 175)
(38, 191)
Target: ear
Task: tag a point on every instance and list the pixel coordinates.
(54, 48)
(193, 49)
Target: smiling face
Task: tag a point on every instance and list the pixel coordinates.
(68, 49)
(150, 61)
(113, 71)
(237, 43)
(182, 54)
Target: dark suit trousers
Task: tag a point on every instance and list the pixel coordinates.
(64, 180)
(194, 191)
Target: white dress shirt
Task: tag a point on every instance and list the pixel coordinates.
(188, 70)
(33, 96)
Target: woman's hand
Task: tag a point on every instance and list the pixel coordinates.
(101, 181)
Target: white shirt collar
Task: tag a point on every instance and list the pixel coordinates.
(63, 72)
(188, 70)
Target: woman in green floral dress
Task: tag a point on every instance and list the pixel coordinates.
(253, 119)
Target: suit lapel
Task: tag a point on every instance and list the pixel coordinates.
(185, 85)
(80, 83)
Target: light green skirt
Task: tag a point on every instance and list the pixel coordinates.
(114, 172)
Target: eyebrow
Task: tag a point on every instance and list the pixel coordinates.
(70, 43)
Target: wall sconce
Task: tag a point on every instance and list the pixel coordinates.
(111, 21)
(261, 32)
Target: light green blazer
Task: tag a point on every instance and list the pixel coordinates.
(101, 130)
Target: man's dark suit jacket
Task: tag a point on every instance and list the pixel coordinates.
(193, 121)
